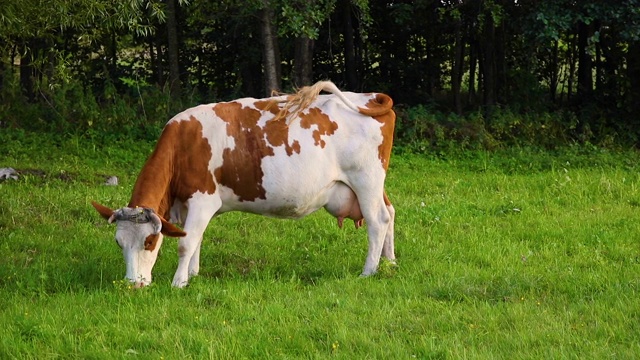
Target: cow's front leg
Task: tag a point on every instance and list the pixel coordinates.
(186, 249)
(194, 263)
(201, 210)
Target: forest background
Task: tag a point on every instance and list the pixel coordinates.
(463, 74)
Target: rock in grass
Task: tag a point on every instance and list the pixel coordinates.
(8, 173)
(111, 181)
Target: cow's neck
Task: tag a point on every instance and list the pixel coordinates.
(152, 188)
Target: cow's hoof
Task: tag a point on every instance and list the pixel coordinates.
(178, 283)
(367, 274)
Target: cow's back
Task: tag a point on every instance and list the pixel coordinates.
(280, 166)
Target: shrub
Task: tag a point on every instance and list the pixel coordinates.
(133, 110)
(73, 109)
(422, 129)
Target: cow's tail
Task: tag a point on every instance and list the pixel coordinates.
(303, 98)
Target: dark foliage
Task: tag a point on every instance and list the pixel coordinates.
(464, 74)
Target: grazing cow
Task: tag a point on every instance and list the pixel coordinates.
(284, 156)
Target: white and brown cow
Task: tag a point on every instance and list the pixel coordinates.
(283, 156)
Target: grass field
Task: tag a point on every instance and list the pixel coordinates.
(514, 254)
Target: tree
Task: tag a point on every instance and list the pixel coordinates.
(175, 84)
(348, 33)
(581, 57)
(455, 16)
(301, 19)
(303, 61)
(270, 51)
(43, 37)
(491, 17)
(585, 67)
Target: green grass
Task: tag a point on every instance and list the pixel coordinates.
(512, 254)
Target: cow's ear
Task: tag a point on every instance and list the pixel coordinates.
(104, 211)
(171, 230)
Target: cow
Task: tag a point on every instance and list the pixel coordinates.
(284, 156)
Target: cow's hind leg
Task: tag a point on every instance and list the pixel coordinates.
(377, 217)
(388, 249)
(201, 210)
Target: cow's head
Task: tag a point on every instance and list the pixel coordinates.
(139, 234)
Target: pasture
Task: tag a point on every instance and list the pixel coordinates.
(517, 254)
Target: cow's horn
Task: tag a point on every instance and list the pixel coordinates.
(117, 215)
(155, 219)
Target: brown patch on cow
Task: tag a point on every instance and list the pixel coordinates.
(274, 106)
(384, 150)
(296, 146)
(276, 129)
(268, 105)
(191, 161)
(177, 168)
(380, 108)
(241, 168)
(325, 127)
(278, 135)
(151, 241)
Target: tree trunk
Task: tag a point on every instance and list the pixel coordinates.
(270, 63)
(633, 74)
(456, 69)
(48, 69)
(432, 66)
(175, 86)
(2, 68)
(158, 66)
(500, 95)
(113, 56)
(248, 75)
(249, 67)
(553, 73)
(473, 63)
(26, 71)
(199, 73)
(610, 63)
(598, 65)
(350, 67)
(489, 64)
(303, 61)
(152, 60)
(572, 68)
(585, 63)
